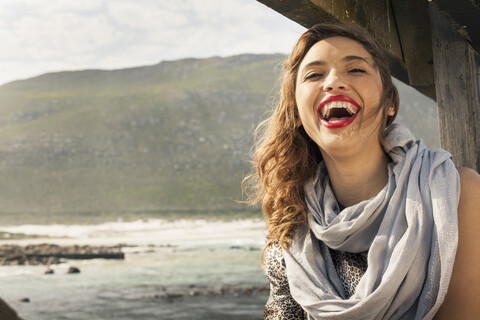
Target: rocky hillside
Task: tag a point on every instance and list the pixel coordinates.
(172, 137)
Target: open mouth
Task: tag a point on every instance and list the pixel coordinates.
(338, 113)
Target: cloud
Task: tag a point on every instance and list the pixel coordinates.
(146, 17)
(41, 36)
(63, 34)
(44, 8)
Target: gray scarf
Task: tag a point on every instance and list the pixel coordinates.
(410, 230)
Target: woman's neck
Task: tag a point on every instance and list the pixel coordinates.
(359, 178)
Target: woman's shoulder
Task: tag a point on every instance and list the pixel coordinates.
(461, 301)
(469, 175)
(469, 204)
(469, 191)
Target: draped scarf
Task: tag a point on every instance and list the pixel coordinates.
(409, 228)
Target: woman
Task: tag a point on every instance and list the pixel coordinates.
(362, 218)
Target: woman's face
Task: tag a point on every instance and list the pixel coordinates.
(338, 91)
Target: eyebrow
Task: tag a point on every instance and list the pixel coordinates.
(350, 58)
(345, 59)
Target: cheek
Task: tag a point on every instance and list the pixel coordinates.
(301, 103)
(373, 112)
(299, 96)
(306, 112)
(373, 94)
(303, 119)
(305, 98)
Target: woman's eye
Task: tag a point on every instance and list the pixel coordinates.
(356, 70)
(313, 76)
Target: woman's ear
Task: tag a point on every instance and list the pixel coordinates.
(299, 123)
(391, 111)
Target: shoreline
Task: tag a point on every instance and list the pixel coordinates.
(201, 263)
(100, 217)
(141, 232)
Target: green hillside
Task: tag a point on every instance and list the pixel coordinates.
(157, 140)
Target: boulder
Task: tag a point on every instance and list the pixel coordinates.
(49, 271)
(47, 254)
(73, 270)
(6, 312)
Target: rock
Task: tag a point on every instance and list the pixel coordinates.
(73, 270)
(26, 300)
(169, 297)
(47, 254)
(173, 293)
(49, 271)
(6, 312)
(193, 293)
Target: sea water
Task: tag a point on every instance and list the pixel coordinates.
(181, 270)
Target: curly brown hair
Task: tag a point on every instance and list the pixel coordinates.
(284, 156)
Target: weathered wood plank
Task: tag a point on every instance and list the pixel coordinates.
(375, 16)
(456, 66)
(378, 18)
(413, 27)
(303, 12)
(465, 17)
(402, 28)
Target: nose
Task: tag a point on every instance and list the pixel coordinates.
(334, 81)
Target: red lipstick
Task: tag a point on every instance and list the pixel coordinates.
(338, 124)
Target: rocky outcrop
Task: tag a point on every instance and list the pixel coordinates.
(169, 294)
(6, 312)
(49, 271)
(73, 270)
(46, 254)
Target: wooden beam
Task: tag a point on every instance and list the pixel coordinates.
(375, 16)
(457, 82)
(403, 29)
(303, 12)
(465, 17)
(381, 24)
(412, 19)
(379, 18)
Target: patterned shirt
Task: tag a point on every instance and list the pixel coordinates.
(350, 268)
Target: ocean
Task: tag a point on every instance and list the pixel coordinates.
(188, 269)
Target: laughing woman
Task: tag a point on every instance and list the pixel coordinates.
(364, 221)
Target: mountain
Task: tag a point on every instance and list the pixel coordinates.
(170, 138)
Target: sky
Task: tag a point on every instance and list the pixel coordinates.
(40, 36)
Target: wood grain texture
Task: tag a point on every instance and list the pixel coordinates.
(412, 19)
(456, 66)
(465, 16)
(375, 16)
(410, 41)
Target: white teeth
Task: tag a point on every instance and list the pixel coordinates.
(337, 105)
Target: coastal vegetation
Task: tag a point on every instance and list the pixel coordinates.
(168, 140)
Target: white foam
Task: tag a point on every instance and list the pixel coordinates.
(143, 232)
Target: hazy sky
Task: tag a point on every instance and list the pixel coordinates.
(39, 36)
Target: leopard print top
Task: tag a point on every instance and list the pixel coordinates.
(350, 268)
(280, 304)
